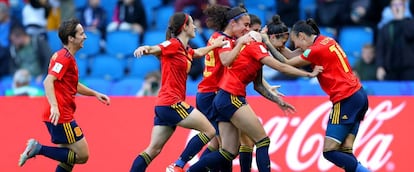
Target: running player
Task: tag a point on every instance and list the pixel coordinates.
(171, 109)
(61, 85)
(233, 26)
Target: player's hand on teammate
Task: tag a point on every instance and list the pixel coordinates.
(54, 115)
(219, 41)
(246, 38)
(141, 51)
(316, 70)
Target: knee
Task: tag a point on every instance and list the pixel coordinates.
(82, 159)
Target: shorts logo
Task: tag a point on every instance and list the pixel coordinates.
(344, 117)
(78, 131)
(185, 105)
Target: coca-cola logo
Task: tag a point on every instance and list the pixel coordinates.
(299, 138)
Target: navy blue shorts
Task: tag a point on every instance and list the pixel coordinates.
(64, 133)
(173, 114)
(226, 104)
(345, 116)
(204, 102)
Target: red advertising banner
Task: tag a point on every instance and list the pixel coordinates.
(119, 132)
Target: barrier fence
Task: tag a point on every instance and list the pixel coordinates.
(119, 132)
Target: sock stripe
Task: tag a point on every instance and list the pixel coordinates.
(211, 148)
(245, 148)
(71, 157)
(263, 142)
(146, 157)
(203, 137)
(229, 156)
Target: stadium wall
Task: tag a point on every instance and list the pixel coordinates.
(117, 133)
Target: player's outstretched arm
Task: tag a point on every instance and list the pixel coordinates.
(84, 90)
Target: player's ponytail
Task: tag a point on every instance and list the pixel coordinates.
(307, 27)
(276, 26)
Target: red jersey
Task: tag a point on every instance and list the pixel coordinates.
(175, 65)
(213, 69)
(63, 66)
(244, 69)
(337, 78)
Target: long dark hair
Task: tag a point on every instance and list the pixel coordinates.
(176, 24)
(309, 27)
(219, 16)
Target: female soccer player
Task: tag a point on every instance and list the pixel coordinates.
(61, 85)
(349, 99)
(235, 114)
(171, 109)
(234, 25)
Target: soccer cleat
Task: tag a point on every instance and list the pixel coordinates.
(174, 168)
(32, 149)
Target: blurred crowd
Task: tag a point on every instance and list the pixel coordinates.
(25, 44)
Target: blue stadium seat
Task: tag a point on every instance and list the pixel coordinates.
(163, 15)
(353, 38)
(121, 43)
(154, 37)
(80, 3)
(141, 67)
(327, 31)
(91, 45)
(259, 13)
(307, 9)
(54, 40)
(107, 67)
(126, 87)
(264, 5)
(192, 87)
(98, 84)
(198, 41)
(83, 64)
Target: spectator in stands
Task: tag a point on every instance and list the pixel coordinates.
(129, 15)
(358, 11)
(332, 13)
(21, 85)
(365, 68)
(69, 9)
(387, 14)
(198, 7)
(394, 46)
(54, 17)
(93, 17)
(35, 15)
(29, 52)
(6, 22)
(151, 84)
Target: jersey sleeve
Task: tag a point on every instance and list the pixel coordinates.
(258, 51)
(58, 66)
(168, 48)
(309, 55)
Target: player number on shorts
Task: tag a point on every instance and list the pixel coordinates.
(341, 55)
